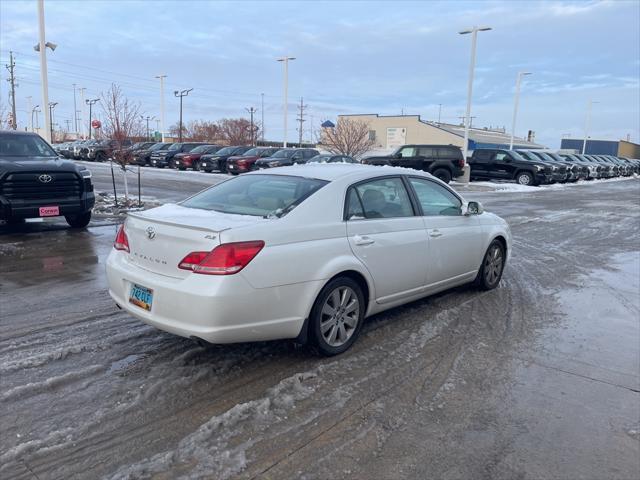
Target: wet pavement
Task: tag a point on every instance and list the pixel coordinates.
(537, 379)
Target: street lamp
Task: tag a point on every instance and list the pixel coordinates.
(162, 124)
(587, 125)
(90, 102)
(285, 60)
(52, 105)
(42, 49)
(182, 93)
(515, 105)
(474, 36)
(147, 118)
(34, 110)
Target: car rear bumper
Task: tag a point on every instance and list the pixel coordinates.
(218, 309)
(15, 208)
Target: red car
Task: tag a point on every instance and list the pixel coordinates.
(242, 163)
(185, 160)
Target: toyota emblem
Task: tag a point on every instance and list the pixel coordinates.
(151, 233)
(44, 178)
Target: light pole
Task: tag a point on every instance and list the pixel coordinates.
(285, 60)
(42, 48)
(34, 110)
(30, 106)
(181, 93)
(90, 102)
(587, 125)
(474, 37)
(147, 119)
(52, 105)
(251, 111)
(83, 111)
(515, 106)
(162, 124)
(262, 116)
(75, 116)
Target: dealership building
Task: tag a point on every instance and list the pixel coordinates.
(390, 131)
(617, 148)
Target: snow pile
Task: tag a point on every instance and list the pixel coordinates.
(106, 205)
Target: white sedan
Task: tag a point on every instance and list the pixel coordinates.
(303, 252)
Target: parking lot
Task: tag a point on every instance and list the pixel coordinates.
(539, 378)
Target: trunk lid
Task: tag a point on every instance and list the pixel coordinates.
(161, 237)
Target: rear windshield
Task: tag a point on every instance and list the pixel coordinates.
(268, 196)
(24, 146)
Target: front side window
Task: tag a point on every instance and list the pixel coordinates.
(435, 199)
(384, 198)
(500, 156)
(268, 196)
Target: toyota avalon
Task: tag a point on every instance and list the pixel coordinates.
(303, 252)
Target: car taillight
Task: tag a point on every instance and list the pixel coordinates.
(121, 242)
(225, 259)
(461, 162)
(242, 163)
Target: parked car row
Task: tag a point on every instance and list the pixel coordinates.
(233, 159)
(536, 167)
(93, 150)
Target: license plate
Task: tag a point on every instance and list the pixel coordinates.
(141, 297)
(49, 211)
(204, 164)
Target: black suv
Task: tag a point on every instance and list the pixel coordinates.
(218, 161)
(162, 158)
(286, 157)
(442, 161)
(489, 163)
(35, 182)
(104, 149)
(143, 156)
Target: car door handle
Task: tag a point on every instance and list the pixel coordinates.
(435, 233)
(358, 240)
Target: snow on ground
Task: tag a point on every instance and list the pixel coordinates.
(511, 187)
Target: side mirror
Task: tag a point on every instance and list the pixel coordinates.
(472, 208)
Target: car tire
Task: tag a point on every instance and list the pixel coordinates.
(525, 178)
(100, 157)
(195, 166)
(492, 266)
(334, 316)
(78, 221)
(442, 174)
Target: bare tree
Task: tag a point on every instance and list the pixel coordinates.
(197, 131)
(121, 121)
(122, 117)
(237, 131)
(348, 137)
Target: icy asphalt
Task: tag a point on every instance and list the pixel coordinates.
(538, 379)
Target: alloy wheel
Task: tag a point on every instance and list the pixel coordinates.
(339, 316)
(493, 264)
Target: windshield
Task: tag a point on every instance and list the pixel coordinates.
(226, 151)
(158, 146)
(175, 146)
(12, 145)
(528, 156)
(545, 156)
(254, 152)
(200, 149)
(265, 196)
(284, 154)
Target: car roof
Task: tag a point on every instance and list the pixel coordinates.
(335, 171)
(18, 132)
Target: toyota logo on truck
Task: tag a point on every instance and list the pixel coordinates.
(44, 178)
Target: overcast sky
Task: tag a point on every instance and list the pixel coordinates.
(352, 57)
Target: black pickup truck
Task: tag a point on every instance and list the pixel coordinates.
(105, 149)
(35, 182)
(442, 161)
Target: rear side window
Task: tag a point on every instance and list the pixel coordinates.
(384, 198)
(259, 195)
(354, 209)
(428, 152)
